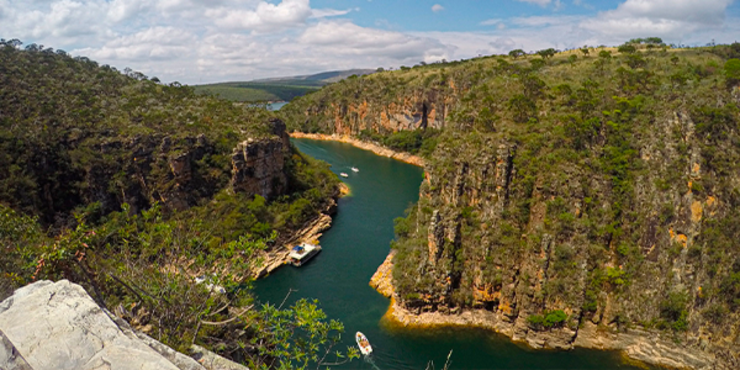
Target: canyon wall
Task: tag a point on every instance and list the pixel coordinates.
(568, 202)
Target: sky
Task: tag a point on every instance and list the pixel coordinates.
(205, 41)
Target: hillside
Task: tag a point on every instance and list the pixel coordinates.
(276, 89)
(133, 189)
(585, 198)
(318, 79)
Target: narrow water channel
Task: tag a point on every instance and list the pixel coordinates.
(358, 243)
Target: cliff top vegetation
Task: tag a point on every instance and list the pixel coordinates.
(596, 186)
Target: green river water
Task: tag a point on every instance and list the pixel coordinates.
(357, 244)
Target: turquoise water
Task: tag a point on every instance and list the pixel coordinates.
(276, 106)
(353, 249)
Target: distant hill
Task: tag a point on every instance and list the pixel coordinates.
(319, 79)
(276, 89)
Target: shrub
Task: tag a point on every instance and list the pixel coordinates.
(548, 320)
(673, 311)
(732, 72)
(615, 276)
(627, 49)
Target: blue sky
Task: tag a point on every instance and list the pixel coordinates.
(456, 15)
(199, 41)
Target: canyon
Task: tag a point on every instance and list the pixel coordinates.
(561, 210)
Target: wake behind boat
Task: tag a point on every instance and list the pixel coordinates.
(363, 343)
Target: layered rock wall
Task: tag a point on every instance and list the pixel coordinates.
(473, 259)
(392, 108)
(259, 167)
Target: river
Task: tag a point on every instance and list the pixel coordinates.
(357, 244)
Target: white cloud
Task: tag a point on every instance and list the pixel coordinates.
(491, 22)
(199, 41)
(266, 16)
(347, 38)
(503, 44)
(120, 10)
(499, 23)
(437, 8)
(538, 2)
(154, 44)
(325, 13)
(665, 18)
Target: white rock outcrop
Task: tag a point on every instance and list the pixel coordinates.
(57, 326)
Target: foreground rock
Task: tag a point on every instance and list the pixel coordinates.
(58, 326)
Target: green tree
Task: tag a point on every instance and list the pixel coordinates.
(627, 49)
(516, 53)
(299, 337)
(547, 53)
(572, 59)
(732, 72)
(522, 107)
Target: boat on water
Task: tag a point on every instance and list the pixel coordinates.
(300, 254)
(363, 343)
(355, 169)
(343, 174)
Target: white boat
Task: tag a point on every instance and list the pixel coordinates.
(343, 174)
(355, 169)
(363, 343)
(300, 254)
(213, 288)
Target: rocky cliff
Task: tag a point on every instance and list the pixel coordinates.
(76, 134)
(574, 202)
(58, 326)
(259, 165)
(393, 105)
(179, 173)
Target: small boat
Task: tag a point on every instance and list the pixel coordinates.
(363, 343)
(300, 254)
(213, 288)
(343, 174)
(355, 169)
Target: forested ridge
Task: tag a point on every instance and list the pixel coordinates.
(133, 188)
(564, 191)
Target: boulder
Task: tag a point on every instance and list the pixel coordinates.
(58, 326)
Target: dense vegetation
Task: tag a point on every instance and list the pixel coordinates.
(121, 184)
(598, 184)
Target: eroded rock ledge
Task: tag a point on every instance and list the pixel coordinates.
(637, 345)
(309, 233)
